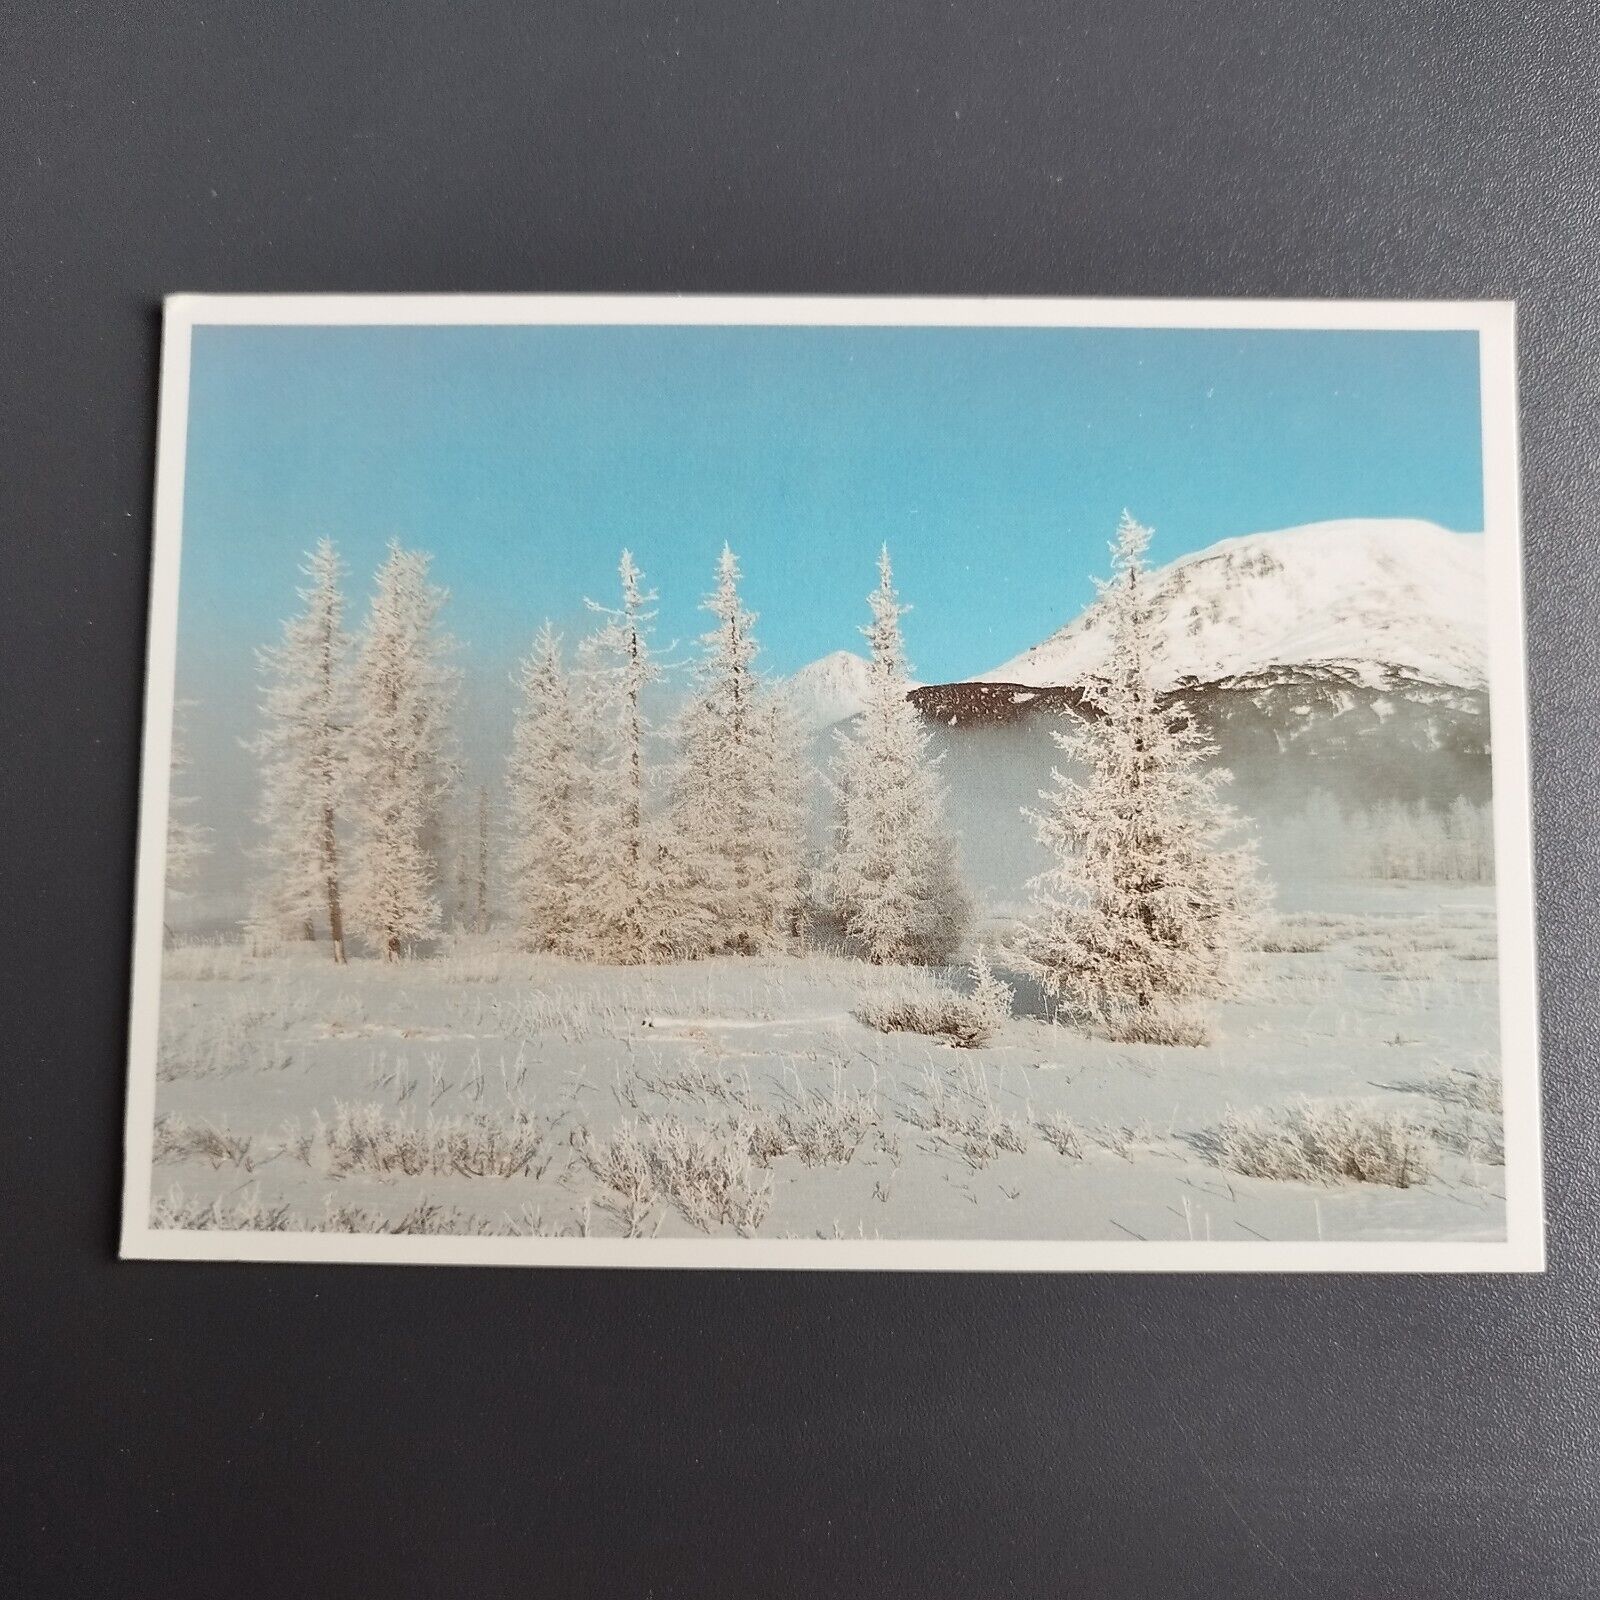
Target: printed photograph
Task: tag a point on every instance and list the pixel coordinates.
(978, 785)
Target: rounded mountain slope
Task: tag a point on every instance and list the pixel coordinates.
(1374, 599)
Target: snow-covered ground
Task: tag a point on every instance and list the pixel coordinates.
(487, 1091)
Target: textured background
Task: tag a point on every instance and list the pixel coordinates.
(203, 1430)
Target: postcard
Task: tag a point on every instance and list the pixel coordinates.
(836, 783)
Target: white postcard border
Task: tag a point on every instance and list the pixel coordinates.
(1522, 1250)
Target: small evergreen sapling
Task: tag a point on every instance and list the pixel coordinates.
(992, 997)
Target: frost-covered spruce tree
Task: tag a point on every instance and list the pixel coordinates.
(635, 900)
(736, 828)
(188, 843)
(895, 882)
(781, 785)
(401, 756)
(547, 800)
(302, 751)
(1148, 904)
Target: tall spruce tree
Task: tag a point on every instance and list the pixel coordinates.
(1147, 903)
(636, 908)
(547, 806)
(402, 759)
(736, 834)
(781, 779)
(302, 748)
(188, 843)
(895, 879)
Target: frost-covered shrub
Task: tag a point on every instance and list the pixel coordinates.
(367, 1138)
(1352, 1141)
(1170, 1025)
(695, 1080)
(202, 959)
(177, 1139)
(949, 1016)
(224, 1214)
(1293, 936)
(915, 1003)
(707, 1173)
(424, 1217)
(820, 1128)
(990, 995)
(247, 1213)
(564, 1011)
(1061, 1133)
(428, 1217)
(478, 958)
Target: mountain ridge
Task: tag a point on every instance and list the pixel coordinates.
(1380, 600)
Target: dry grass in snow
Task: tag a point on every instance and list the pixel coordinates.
(1469, 1116)
(959, 1107)
(178, 1139)
(820, 1127)
(246, 1213)
(223, 1214)
(1165, 1025)
(915, 1003)
(1343, 1141)
(367, 1138)
(713, 1173)
(707, 1172)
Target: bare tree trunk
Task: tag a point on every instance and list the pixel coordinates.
(330, 839)
(330, 863)
(634, 810)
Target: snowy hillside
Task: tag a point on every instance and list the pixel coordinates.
(1377, 600)
(829, 690)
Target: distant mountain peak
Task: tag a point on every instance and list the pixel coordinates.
(831, 689)
(1374, 599)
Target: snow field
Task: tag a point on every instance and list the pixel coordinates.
(483, 1090)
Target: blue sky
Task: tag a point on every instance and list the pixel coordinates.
(994, 462)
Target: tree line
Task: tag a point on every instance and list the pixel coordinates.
(626, 842)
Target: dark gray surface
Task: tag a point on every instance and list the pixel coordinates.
(207, 1430)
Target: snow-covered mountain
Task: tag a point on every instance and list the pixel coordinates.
(1342, 658)
(829, 690)
(1373, 602)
